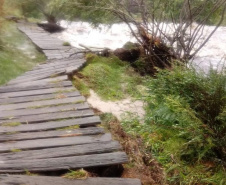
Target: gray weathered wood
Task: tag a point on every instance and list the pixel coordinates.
(66, 151)
(49, 117)
(52, 68)
(70, 70)
(44, 85)
(34, 75)
(83, 122)
(36, 92)
(39, 97)
(15, 114)
(64, 163)
(33, 98)
(39, 77)
(53, 142)
(38, 104)
(51, 134)
(33, 180)
(50, 80)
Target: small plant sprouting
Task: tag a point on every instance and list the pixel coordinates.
(14, 150)
(73, 127)
(30, 174)
(78, 174)
(66, 44)
(12, 124)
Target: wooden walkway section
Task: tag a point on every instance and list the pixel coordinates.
(46, 125)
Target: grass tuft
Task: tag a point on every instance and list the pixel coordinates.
(111, 78)
(15, 150)
(69, 128)
(12, 124)
(66, 44)
(78, 174)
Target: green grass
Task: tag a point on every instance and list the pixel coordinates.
(110, 78)
(78, 174)
(17, 55)
(69, 128)
(15, 150)
(185, 125)
(66, 44)
(30, 174)
(81, 86)
(13, 124)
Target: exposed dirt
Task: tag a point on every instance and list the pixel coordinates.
(141, 165)
(117, 108)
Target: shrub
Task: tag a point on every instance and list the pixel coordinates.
(185, 125)
(189, 99)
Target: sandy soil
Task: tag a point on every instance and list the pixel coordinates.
(117, 108)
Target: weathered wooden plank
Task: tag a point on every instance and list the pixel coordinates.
(60, 62)
(39, 97)
(45, 46)
(64, 163)
(46, 81)
(49, 117)
(76, 57)
(38, 77)
(50, 80)
(75, 150)
(72, 69)
(15, 114)
(41, 73)
(37, 92)
(53, 142)
(82, 122)
(32, 180)
(27, 87)
(38, 104)
(52, 68)
(54, 65)
(56, 62)
(51, 134)
(22, 79)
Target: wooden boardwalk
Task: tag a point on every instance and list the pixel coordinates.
(46, 125)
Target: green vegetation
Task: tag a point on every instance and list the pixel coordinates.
(111, 78)
(81, 86)
(17, 55)
(15, 150)
(185, 125)
(30, 174)
(66, 44)
(78, 174)
(73, 127)
(12, 124)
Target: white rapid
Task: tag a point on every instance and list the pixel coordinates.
(117, 35)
